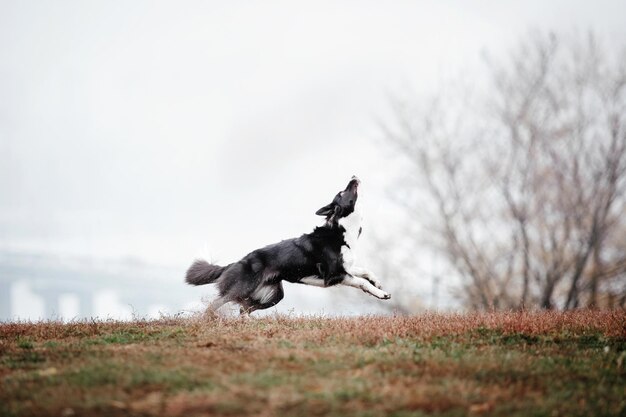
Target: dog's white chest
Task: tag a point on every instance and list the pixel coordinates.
(352, 226)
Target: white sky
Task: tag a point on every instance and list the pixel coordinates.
(166, 130)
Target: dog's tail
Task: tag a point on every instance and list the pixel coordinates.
(201, 272)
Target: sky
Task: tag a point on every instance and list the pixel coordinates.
(164, 131)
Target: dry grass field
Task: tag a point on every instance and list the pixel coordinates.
(504, 364)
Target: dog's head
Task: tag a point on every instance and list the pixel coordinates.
(343, 204)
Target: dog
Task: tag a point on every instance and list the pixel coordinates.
(322, 258)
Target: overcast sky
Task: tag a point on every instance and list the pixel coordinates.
(167, 130)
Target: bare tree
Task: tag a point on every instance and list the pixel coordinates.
(524, 186)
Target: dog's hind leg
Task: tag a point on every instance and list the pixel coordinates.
(216, 304)
(245, 311)
(365, 285)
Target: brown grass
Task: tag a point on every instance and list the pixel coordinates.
(505, 364)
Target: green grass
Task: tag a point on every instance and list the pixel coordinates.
(501, 364)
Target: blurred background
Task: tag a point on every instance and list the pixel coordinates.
(490, 138)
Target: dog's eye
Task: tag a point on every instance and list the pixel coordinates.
(351, 201)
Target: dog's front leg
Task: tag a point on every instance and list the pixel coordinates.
(365, 285)
(367, 274)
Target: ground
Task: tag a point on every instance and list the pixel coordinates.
(504, 364)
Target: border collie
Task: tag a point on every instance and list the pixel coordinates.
(322, 258)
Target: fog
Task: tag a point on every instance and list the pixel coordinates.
(159, 132)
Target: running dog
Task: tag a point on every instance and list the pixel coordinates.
(322, 258)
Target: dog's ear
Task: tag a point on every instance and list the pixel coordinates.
(326, 210)
(336, 213)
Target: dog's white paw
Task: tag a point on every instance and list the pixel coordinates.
(383, 295)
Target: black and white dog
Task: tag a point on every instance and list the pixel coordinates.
(322, 258)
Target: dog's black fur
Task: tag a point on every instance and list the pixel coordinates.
(315, 258)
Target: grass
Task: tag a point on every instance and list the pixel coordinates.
(501, 364)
